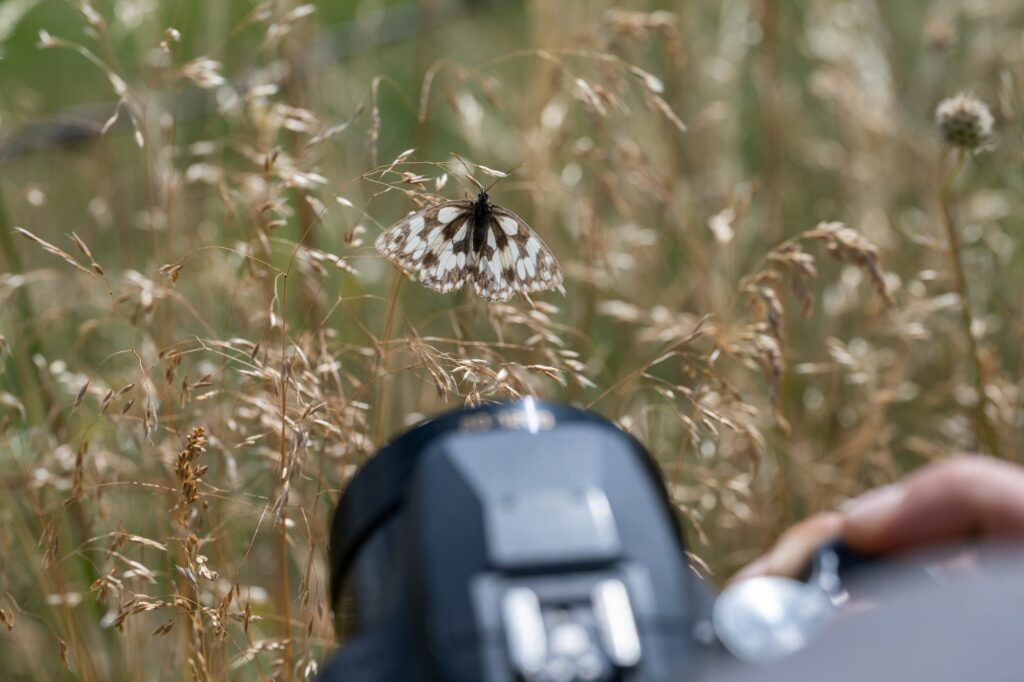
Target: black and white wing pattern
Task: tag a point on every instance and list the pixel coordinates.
(513, 259)
(458, 241)
(434, 244)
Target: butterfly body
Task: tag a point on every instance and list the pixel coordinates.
(481, 217)
(454, 242)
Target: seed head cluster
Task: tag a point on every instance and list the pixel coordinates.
(188, 472)
(964, 121)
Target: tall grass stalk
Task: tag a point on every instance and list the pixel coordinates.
(984, 431)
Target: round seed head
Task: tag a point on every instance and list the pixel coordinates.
(964, 121)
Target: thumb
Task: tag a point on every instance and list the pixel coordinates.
(953, 500)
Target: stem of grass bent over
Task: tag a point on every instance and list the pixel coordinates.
(984, 430)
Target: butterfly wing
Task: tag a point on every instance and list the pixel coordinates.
(513, 259)
(433, 244)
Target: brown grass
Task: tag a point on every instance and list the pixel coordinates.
(199, 344)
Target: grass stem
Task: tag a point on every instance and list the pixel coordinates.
(984, 431)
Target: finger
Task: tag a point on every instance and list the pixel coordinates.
(956, 499)
(793, 550)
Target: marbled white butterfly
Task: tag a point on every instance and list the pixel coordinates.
(449, 243)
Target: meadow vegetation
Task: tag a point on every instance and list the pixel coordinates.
(767, 244)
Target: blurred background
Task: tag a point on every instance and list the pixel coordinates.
(199, 344)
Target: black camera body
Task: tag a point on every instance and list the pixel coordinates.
(523, 541)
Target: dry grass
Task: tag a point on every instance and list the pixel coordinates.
(199, 345)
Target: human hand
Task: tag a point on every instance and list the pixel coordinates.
(955, 499)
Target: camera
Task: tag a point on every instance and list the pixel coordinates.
(535, 542)
(524, 541)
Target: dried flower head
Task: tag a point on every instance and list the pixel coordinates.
(964, 121)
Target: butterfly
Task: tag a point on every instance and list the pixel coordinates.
(453, 242)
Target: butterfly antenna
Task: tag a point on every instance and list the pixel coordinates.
(509, 172)
(469, 173)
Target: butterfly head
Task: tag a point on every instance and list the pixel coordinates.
(482, 198)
